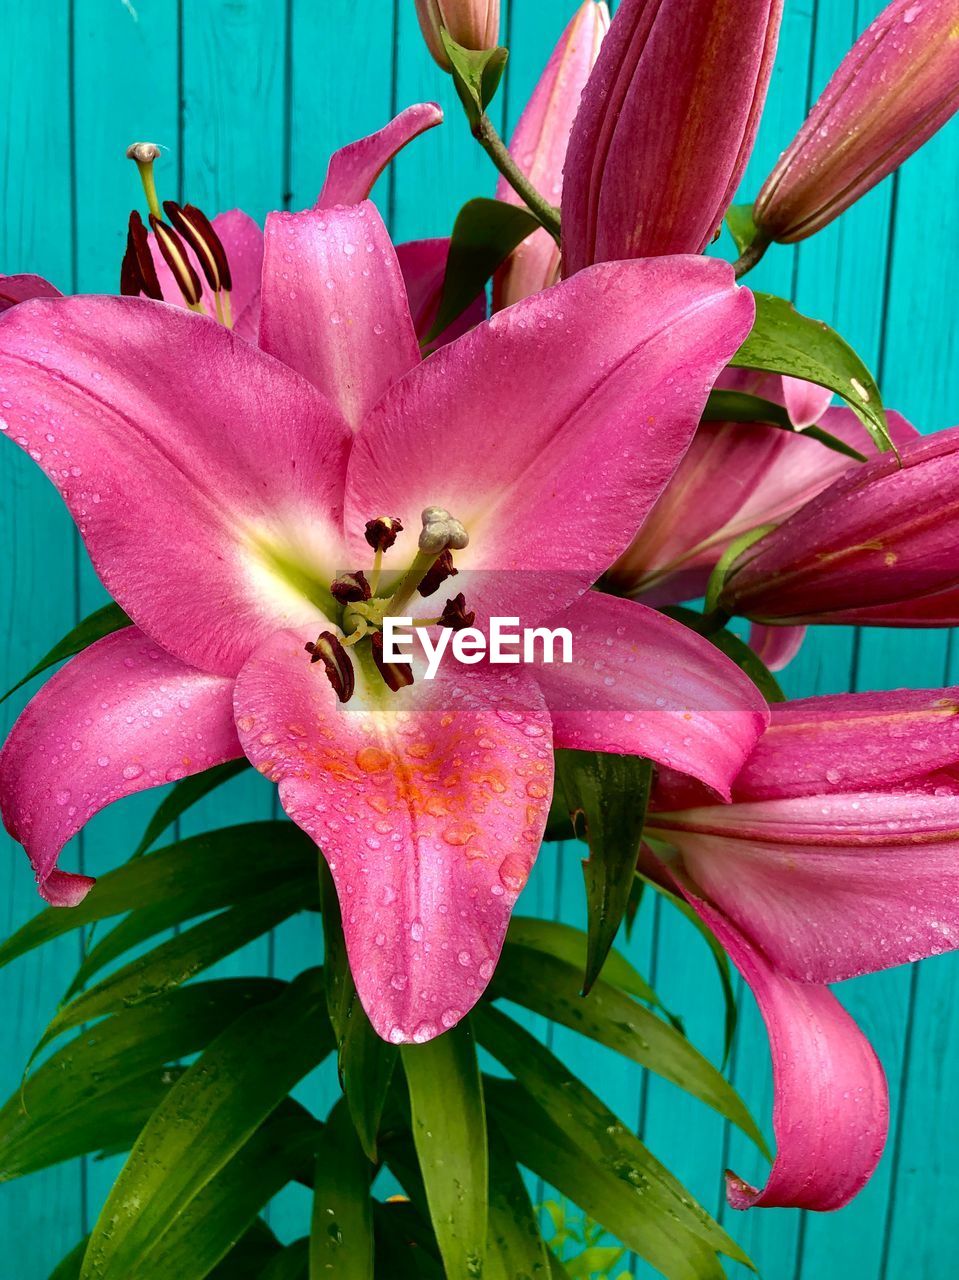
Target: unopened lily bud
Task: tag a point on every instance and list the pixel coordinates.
(666, 125)
(472, 23)
(878, 547)
(897, 85)
(539, 148)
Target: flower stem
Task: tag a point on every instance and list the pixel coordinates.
(494, 146)
(751, 255)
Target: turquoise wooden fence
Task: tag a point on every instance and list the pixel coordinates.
(250, 96)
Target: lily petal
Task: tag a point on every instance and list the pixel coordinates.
(334, 304)
(776, 646)
(429, 805)
(16, 289)
(643, 684)
(831, 1108)
(353, 169)
(598, 436)
(193, 464)
(120, 717)
(423, 264)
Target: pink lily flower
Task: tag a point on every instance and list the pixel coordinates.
(877, 548)
(474, 24)
(894, 89)
(667, 123)
(224, 493)
(539, 144)
(837, 857)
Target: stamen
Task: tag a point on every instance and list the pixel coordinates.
(382, 532)
(144, 153)
(137, 272)
(339, 669)
(175, 256)
(348, 588)
(440, 532)
(455, 615)
(397, 675)
(197, 230)
(441, 570)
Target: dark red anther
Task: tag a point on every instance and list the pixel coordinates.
(439, 571)
(455, 614)
(396, 675)
(175, 256)
(348, 588)
(137, 272)
(381, 533)
(336, 661)
(199, 233)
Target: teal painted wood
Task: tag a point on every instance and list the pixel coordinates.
(250, 98)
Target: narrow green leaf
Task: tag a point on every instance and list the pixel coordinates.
(69, 1267)
(43, 1122)
(341, 1233)
(515, 1247)
(738, 406)
(784, 341)
(598, 1260)
(183, 796)
(609, 793)
(251, 1256)
(485, 233)
(476, 74)
(720, 572)
(291, 1263)
(449, 1129)
(744, 657)
(723, 967)
(99, 624)
(566, 942)
(208, 1115)
(365, 1062)
(405, 1245)
(199, 874)
(556, 1269)
(204, 1233)
(179, 958)
(550, 987)
(739, 220)
(621, 1194)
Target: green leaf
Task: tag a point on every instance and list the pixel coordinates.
(341, 1235)
(550, 987)
(202, 1235)
(99, 624)
(597, 1260)
(783, 341)
(57, 1110)
(69, 1267)
(738, 406)
(180, 958)
(476, 75)
(484, 235)
(566, 942)
(744, 657)
(556, 1269)
(449, 1130)
(208, 1115)
(627, 1195)
(184, 794)
(198, 875)
(405, 1245)
(364, 1061)
(739, 220)
(251, 1256)
(515, 1247)
(291, 1263)
(610, 794)
(723, 967)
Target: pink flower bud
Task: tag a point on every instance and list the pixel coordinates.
(539, 148)
(878, 547)
(667, 124)
(472, 23)
(898, 84)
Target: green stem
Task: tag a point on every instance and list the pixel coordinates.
(751, 255)
(494, 146)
